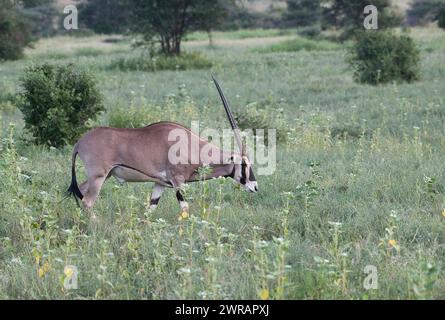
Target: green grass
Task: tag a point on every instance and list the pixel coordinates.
(299, 43)
(240, 34)
(186, 61)
(360, 181)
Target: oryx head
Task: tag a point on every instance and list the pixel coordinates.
(242, 169)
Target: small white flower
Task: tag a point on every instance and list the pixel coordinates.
(184, 271)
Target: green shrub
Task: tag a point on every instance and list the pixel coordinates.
(380, 57)
(185, 61)
(57, 101)
(8, 99)
(132, 116)
(254, 118)
(310, 32)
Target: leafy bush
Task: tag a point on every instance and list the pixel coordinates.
(254, 118)
(8, 99)
(380, 57)
(185, 61)
(310, 31)
(57, 101)
(132, 117)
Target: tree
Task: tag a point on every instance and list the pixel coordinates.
(301, 13)
(106, 16)
(166, 22)
(210, 15)
(424, 11)
(441, 18)
(348, 15)
(15, 31)
(41, 15)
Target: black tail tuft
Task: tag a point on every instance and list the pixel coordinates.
(74, 188)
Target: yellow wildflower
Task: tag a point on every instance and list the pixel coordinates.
(392, 243)
(68, 271)
(264, 294)
(41, 272)
(443, 213)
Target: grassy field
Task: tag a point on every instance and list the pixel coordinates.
(360, 181)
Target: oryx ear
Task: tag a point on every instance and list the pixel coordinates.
(244, 149)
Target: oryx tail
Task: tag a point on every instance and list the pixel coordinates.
(74, 188)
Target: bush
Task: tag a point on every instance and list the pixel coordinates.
(380, 57)
(8, 99)
(132, 117)
(310, 32)
(57, 101)
(185, 61)
(253, 117)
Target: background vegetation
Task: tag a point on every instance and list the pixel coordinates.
(359, 179)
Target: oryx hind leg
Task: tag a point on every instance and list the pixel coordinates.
(83, 187)
(156, 195)
(94, 184)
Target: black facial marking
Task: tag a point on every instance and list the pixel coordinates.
(251, 175)
(243, 173)
(179, 196)
(154, 201)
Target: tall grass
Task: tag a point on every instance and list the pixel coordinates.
(186, 61)
(298, 44)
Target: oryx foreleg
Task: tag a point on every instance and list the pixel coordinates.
(177, 182)
(184, 205)
(155, 196)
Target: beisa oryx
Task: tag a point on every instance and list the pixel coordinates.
(142, 154)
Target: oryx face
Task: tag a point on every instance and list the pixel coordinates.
(243, 174)
(242, 170)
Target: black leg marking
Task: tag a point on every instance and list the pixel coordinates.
(154, 201)
(179, 196)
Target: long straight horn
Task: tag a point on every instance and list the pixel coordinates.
(230, 116)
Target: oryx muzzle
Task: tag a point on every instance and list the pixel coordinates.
(142, 155)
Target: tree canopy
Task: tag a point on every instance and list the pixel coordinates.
(166, 22)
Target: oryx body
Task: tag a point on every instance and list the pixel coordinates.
(142, 155)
